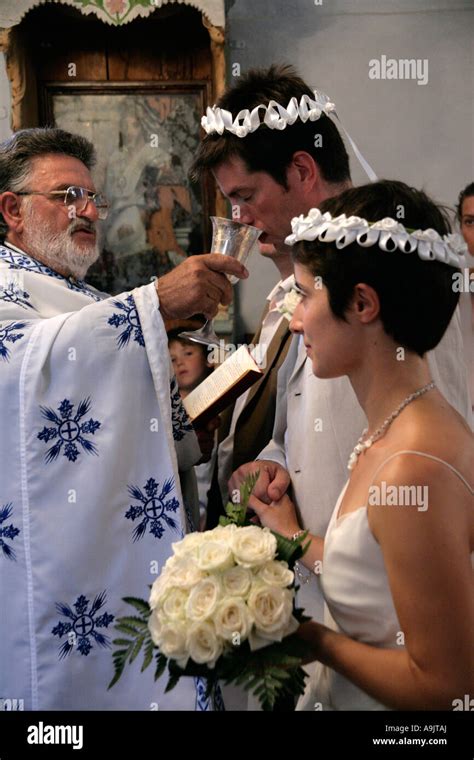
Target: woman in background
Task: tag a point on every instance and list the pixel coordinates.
(465, 214)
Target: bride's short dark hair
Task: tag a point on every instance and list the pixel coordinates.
(417, 298)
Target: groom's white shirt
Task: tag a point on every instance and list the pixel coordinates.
(317, 425)
(93, 434)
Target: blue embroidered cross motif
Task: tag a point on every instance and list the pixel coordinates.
(82, 625)
(153, 508)
(130, 320)
(68, 430)
(12, 293)
(179, 416)
(8, 531)
(9, 334)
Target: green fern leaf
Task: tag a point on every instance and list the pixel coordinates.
(148, 656)
(237, 513)
(139, 605)
(119, 659)
(134, 622)
(161, 662)
(136, 649)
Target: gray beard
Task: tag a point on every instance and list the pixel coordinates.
(58, 250)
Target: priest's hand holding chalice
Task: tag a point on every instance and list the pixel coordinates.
(232, 239)
(202, 287)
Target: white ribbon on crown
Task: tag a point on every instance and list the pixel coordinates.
(276, 117)
(387, 233)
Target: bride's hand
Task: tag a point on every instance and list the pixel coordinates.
(311, 632)
(279, 516)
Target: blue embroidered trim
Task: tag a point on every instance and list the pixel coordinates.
(23, 261)
(203, 704)
(181, 422)
(219, 705)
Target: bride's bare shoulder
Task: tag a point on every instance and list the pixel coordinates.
(441, 432)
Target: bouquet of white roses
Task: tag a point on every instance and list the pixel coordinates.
(223, 608)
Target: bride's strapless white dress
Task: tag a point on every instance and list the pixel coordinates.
(358, 603)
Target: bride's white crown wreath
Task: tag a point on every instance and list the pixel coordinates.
(387, 233)
(275, 116)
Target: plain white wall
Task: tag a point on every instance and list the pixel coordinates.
(421, 134)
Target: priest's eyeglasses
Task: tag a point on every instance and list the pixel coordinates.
(78, 197)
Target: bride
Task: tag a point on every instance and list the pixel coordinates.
(396, 561)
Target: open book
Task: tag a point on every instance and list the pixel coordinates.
(223, 386)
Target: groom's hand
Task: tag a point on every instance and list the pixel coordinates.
(198, 286)
(272, 482)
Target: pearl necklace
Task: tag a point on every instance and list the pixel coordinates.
(363, 445)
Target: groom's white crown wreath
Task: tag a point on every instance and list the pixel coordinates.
(389, 234)
(275, 116)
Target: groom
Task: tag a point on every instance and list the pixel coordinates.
(273, 169)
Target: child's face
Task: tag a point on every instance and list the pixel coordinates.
(189, 364)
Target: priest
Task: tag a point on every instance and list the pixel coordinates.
(92, 439)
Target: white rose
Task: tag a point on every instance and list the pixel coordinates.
(171, 641)
(155, 627)
(253, 546)
(271, 608)
(173, 605)
(159, 589)
(237, 581)
(258, 639)
(221, 533)
(171, 563)
(233, 617)
(276, 573)
(214, 555)
(203, 645)
(189, 545)
(203, 599)
(185, 573)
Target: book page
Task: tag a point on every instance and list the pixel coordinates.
(219, 381)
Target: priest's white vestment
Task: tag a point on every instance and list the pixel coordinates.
(93, 434)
